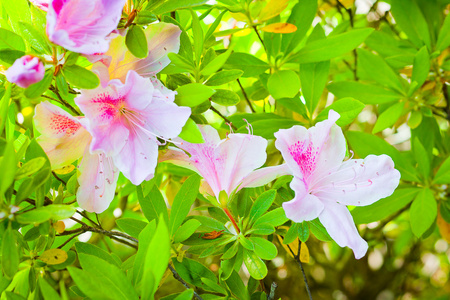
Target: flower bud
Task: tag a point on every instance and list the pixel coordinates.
(25, 71)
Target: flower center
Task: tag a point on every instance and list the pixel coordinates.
(305, 156)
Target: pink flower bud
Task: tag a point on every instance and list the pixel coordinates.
(25, 71)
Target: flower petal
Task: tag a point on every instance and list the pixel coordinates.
(138, 158)
(98, 180)
(285, 139)
(162, 38)
(304, 206)
(264, 175)
(361, 182)
(63, 137)
(165, 118)
(82, 25)
(238, 155)
(340, 226)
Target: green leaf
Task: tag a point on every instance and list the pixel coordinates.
(186, 295)
(408, 16)
(45, 213)
(216, 63)
(385, 207)
(144, 242)
(35, 38)
(11, 41)
(225, 97)
(274, 217)
(197, 33)
(423, 212)
(303, 231)
(90, 286)
(17, 11)
(237, 287)
(331, 47)
(443, 40)
(214, 286)
(190, 133)
(186, 230)
(266, 128)
(443, 174)
(263, 248)
(251, 65)
(302, 16)
(421, 67)
(80, 77)
(347, 108)
(181, 62)
(366, 93)
(136, 41)
(283, 84)
(172, 5)
(131, 226)
(246, 243)
(364, 144)
(313, 77)
(183, 202)
(319, 231)
(30, 167)
(224, 76)
(8, 165)
(374, 67)
(156, 261)
(388, 117)
(421, 155)
(192, 272)
(47, 291)
(37, 89)
(152, 205)
(193, 94)
(292, 234)
(261, 205)
(10, 254)
(255, 266)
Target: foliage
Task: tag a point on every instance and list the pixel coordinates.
(273, 64)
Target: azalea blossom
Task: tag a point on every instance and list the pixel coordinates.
(25, 71)
(162, 38)
(125, 120)
(65, 140)
(324, 183)
(42, 4)
(228, 164)
(83, 25)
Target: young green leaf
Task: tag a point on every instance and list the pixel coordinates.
(347, 108)
(225, 97)
(37, 89)
(421, 67)
(283, 84)
(131, 226)
(366, 93)
(80, 77)
(190, 133)
(314, 77)
(224, 76)
(152, 205)
(423, 212)
(136, 41)
(250, 64)
(263, 248)
(261, 205)
(10, 254)
(255, 266)
(388, 117)
(183, 202)
(193, 94)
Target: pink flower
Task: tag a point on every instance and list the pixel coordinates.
(25, 71)
(65, 140)
(324, 184)
(125, 120)
(42, 4)
(162, 38)
(83, 25)
(226, 165)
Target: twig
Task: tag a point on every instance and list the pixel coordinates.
(273, 287)
(246, 97)
(223, 117)
(259, 36)
(178, 277)
(84, 228)
(59, 179)
(71, 238)
(62, 101)
(297, 259)
(84, 215)
(447, 100)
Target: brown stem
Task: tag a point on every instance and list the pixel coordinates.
(64, 102)
(297, 259)
(223, 117)
(246, 97)
(230, 216)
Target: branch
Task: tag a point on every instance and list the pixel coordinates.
(297, 259)
(245, 96)
(273, 287)
(223, 117)
(62, 101)
(178, 277)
